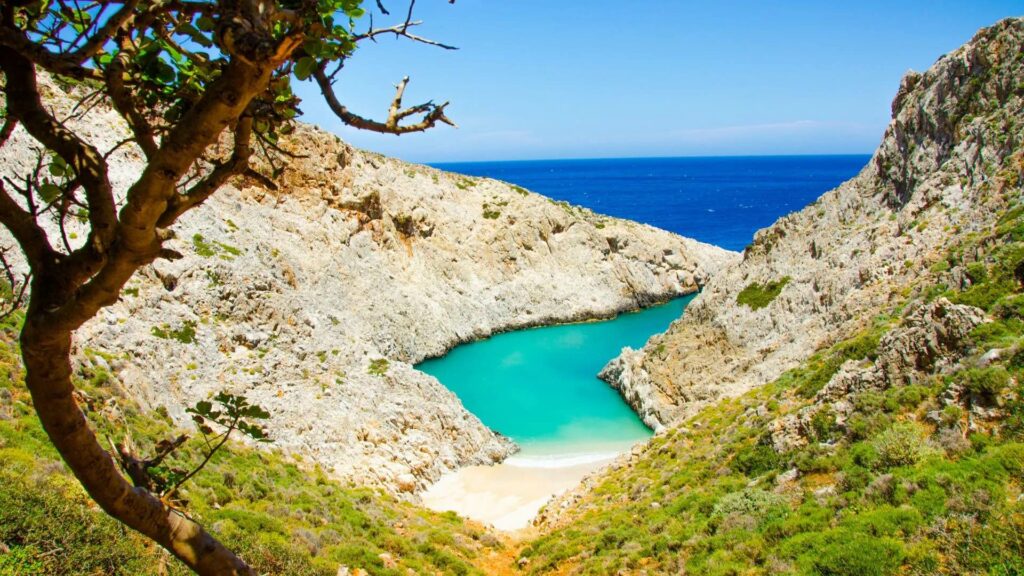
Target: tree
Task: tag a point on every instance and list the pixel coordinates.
(184, 75)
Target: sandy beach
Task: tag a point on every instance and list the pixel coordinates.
(508, 495)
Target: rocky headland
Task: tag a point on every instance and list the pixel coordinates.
(819, 275)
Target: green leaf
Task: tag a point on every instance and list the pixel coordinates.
(165, 73)
(196, 36)
(49, 192)
(206, 24)
(304, 67)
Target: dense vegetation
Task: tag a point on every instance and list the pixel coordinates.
(911, 483)
(757, 296)
(283, 516)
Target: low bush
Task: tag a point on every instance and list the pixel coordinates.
(900, 445)
(758, 296)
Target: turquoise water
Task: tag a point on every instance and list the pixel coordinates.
(539, 386)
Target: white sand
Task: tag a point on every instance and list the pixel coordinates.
(508, 495)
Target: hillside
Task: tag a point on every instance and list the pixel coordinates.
(315, 299)
(947, 167)
(848, 399)
(845, 399)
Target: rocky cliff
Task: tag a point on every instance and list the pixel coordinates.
(940, 175)
(315, 299)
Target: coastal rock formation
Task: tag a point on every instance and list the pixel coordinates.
(820, 274)
(315, 299)
(932, 339)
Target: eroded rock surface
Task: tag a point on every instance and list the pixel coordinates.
(938, 175)
(932, 339)
(315, 300)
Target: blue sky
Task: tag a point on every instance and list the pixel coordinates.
(596, 78)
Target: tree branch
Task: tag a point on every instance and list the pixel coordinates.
(26, 231)
(139, 240)
(433, 113)
(199, 192)
(52, 62)
(24, 104)
(5, 133)
(401, 30)
(17, 285)
(104, 33)
(125, 104)
(223, 440)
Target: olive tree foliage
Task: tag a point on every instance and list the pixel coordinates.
(184, 75)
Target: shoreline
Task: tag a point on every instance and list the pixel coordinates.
(509, 495)
(550, 321)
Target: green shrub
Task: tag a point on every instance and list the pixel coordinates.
(854, 554)
(900, 445)
(1010, 307)
(378, 367)
(186, 334)
(752, 503)
(986, 382)
(756, 460)
(977, 272)
(202, 247)
(823, 425)
(757, 296)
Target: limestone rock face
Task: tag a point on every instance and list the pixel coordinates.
(942, 171)
(316, 299)
(933, 338)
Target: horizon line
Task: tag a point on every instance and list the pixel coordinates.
(695, 157)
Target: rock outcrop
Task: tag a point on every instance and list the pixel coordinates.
(944, 168)
(316, 299)
(932, 339)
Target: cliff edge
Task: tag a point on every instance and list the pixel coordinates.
(815, 277)
(316, 298)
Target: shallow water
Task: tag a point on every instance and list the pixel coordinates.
(540, 386)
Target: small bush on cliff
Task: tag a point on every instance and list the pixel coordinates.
(986, 382)
(901, 445)
(758, 296)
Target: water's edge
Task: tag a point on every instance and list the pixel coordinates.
(564, 460)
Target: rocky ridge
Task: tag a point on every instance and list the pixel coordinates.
(937, 177)
(932, 340)
(316, 299)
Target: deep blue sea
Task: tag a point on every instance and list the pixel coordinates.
(719, 200)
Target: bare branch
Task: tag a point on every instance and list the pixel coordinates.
(401, 30)
(15, 282)
(433, 113)
(408, 17)
(104, 33)
(263, 179)
(383, 10)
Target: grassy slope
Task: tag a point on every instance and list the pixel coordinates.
(889, 493)
(282, 516)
